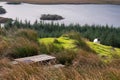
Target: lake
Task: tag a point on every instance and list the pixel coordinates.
(80, 13)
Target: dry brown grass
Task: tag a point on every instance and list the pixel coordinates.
(68, 1)
(27, 33)
(84, 71)
(18, 43)
(87, 67)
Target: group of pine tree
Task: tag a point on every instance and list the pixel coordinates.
(108, 35)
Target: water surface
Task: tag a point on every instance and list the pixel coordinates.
(82, 14)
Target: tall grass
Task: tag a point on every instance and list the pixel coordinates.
(18, 43)
(83, 64)
(23, 47)
(80, 42)
(3, 46)
(27, 33)
(90, 69)
(66, 57)
(49, 48)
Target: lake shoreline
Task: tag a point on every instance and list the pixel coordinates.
(71, 3)
(4, 19)
(64, 2)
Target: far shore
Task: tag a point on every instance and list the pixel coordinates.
(116, 2)
(4, 20)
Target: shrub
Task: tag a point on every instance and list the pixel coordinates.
(66, 57)
(27, 33)
(20, 43)
(79, 40)
(87, 58)
(55, 41)
(22, 47)
(49, 48)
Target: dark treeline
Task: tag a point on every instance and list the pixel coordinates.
(107, 35)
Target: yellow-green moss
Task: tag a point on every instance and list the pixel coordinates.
(107, 52)
(64, 42)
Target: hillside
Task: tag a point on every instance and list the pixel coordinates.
(69, 49)
(59, 42)
(69, 1)
(105, 52)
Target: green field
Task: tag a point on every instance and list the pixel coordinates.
(105, 52)
(64, 42)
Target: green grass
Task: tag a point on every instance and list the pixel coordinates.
(105, 51)
(64, 42)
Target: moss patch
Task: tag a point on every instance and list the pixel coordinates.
(106, 52)
(64, 42)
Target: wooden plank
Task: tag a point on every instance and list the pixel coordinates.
(37, 58)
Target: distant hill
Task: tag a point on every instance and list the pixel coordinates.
(70, 1)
